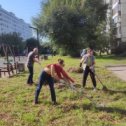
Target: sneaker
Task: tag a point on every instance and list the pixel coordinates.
(30, 84)
(83, 86)
(94, 89)
(36, 102)
(54, 103)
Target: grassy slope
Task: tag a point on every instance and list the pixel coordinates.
(17, 109)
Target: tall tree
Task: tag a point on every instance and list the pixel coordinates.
(31, 43)
(13, 40)
(71, 24)
(103, 38)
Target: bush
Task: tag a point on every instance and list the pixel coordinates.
(62, 52)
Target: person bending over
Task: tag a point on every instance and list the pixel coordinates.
(51, 72)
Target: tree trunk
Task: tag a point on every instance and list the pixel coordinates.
(100, 53)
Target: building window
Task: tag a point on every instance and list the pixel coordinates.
(115, 10)
(119, 30)
(115, 1)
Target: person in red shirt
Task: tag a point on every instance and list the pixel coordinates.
(51, 72)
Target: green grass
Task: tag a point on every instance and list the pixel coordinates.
(17, 108)
(110, 60)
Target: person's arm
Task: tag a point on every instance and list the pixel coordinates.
(66, 76)
(53, 74)
(82, 60)
(37, 60)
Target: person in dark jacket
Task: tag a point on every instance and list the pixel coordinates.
(32, 58)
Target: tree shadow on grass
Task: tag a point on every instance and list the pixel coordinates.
(115, 91)
(22, 74)
(112, 110)
(19, 75)
(105, 109)
(107, 91)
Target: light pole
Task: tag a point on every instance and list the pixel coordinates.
(37, 35)
(36, 32)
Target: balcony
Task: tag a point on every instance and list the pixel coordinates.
(119, 7)
(118, 25)
(118, 36)
(115, 15)
(115, 4)
(119, 20)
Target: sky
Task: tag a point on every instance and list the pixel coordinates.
(24, 9)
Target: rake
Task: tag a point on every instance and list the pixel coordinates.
(104, 88)
(73, 88)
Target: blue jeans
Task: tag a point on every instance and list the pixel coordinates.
(30, 77)
(44, 77)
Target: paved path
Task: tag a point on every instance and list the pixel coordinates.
(119, 71)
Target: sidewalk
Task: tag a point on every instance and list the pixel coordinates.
(119, 71)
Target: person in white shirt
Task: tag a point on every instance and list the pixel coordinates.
(88, 62)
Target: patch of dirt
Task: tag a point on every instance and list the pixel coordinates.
(106, 117)
(66, 107)
(75, 70)
(60, 86)
(4, 116)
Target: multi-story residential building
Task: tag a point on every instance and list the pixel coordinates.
(119, 19)
(116, 23)
(9, 23)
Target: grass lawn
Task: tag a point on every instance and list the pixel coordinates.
(17, 108)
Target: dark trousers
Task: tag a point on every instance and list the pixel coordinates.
(44, 77)
(30, 77)
(85, 75)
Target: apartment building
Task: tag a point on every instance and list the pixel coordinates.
(119, 19)
(9, 23)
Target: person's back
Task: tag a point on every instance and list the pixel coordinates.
(51, 72)
(30, 59)
(57, 68)
(30, 62)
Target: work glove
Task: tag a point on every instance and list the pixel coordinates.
(80, 64)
